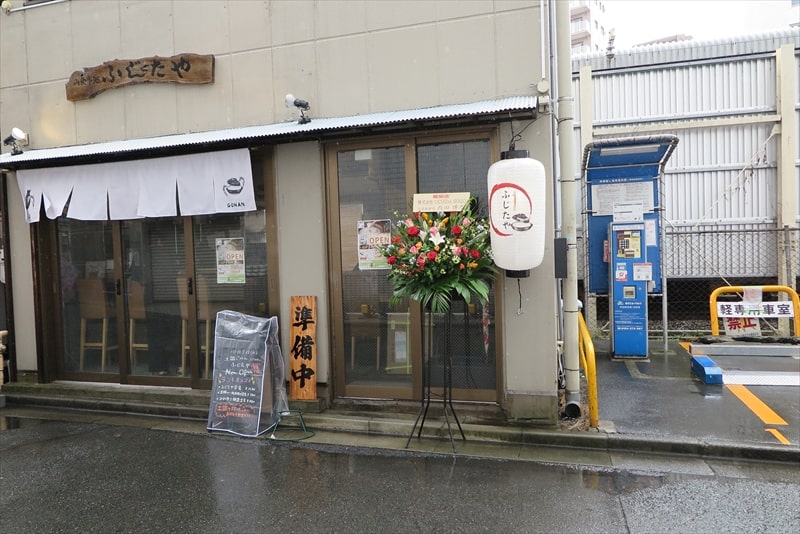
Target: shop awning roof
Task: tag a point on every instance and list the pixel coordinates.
(488, 110)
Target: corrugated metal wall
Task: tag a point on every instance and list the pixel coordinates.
(720, 185)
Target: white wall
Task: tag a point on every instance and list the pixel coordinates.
(301, 241)
(18, 252)
(344, 57)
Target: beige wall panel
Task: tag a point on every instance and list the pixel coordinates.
(202, 29)
(146, 29)
(19, 254)
(150, 110)
(339, 18)
(343, 80)
(530, 337)
(52, 116)
(208, 106)
(292, 22)
(13, 52)
(101, 118)
(251, 22)
(301, 240)
(49, 43)
(519, 46)
(449, 9)
(15, 113)
(252, 90)
(398, 13)
(294, 71)
(403, 73)
(513, 5)
(466, 60)
(95, 34)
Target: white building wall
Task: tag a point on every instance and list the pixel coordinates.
(344, 57)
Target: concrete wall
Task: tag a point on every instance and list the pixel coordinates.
(301, 241)
(530, 311)
(344, 57)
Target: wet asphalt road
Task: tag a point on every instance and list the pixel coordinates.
(81, 477)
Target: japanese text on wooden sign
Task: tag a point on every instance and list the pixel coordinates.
(182, 68)
(303, 352)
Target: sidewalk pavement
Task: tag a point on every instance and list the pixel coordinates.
(653, 406)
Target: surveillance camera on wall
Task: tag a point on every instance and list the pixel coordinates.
(16, 138)
(296, 102)
(300, 104)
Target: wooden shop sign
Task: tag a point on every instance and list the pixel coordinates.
(182, 68)
(303, 352)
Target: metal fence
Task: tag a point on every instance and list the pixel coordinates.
(726, 192)
(697, 261)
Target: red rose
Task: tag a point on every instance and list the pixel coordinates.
(475, 253)
(431, 255)
(456, 231)
(413, 231)
(397, 239)
(391, 260)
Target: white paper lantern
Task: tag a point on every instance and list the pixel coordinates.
(517, 208)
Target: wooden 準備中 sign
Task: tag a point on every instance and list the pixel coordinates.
(303, 350)
(182, 68)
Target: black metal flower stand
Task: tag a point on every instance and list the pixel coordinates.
(447, 379)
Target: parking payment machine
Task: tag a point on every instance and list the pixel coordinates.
(630, 276)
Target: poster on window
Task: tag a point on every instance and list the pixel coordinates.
(230, 260)
(371, 235)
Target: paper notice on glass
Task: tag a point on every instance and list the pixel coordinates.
(230, 260)
(371, 235)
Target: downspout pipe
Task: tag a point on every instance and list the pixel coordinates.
(566, 156)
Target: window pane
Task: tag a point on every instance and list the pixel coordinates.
(86, 265)
(371, 188)
(454, 167)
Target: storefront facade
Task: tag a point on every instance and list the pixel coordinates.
(148, 207)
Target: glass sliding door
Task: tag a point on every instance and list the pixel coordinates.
(372, 188)
(90, 336)
(157, 316)
(380, 346)
(462, 166)
(230, 262)
(155, 278)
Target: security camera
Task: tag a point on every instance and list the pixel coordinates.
(17, 135)
(16, 138)
(300, 104)
(296, 102)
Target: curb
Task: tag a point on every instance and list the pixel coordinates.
(400, 425)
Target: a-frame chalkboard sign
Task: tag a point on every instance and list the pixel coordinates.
(248, 393)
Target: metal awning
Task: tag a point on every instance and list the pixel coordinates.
(518, 107)
(653, 150)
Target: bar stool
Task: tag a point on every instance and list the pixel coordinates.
(204, 314)
(136, 312)
(94, 307)
(364, 328)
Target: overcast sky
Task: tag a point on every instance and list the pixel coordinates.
(640, 21)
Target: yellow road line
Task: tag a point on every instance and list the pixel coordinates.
(780, 437)
(756, 405)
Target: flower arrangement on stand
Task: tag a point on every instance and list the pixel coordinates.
(435, 256)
